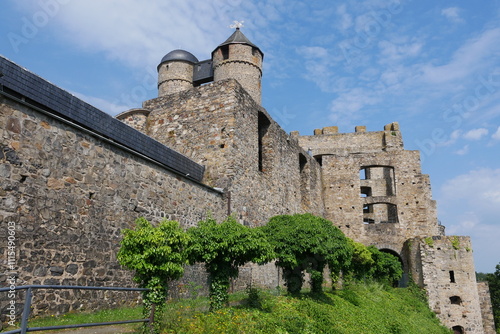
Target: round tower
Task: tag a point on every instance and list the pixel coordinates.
(238, 58)
(175, 72)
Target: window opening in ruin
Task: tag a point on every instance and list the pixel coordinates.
(456, 300)
(380, 178)
(319, 159)
(366, 191)
(263, 126)
(457, 330)
(304, 178)
(380, 213)
(452, 276)
(255, 52)
(225, 52)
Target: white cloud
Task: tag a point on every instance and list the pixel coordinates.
(476, 134)
(470, 205)
(463, 151)
(496, 135)
(345, 108)
(467, 60)
(136, 34)
(483, 183)
(345, 21)
(453, 14)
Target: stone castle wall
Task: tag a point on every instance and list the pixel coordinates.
(445, 268)
(373, 188)
(71, 194)
(244, 151)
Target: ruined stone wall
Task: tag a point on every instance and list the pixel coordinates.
(446, 271)
(486, 307)
(70, 196)
(244, 151)
(373, 189)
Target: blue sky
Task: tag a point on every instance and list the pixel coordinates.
(432, 66)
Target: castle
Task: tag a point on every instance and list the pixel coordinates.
(72, 178)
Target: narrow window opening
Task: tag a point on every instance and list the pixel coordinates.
(452, 276)
(366, 191)
(319, 159)
(263, 127)
(225, 51)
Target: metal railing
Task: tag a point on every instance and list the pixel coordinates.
(27, 307)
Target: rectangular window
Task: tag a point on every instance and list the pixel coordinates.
(452, 276)
(263, 126)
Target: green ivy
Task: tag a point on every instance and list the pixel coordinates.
(455, 243)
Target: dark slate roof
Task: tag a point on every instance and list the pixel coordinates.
(179, 55)
(239, 38)
(17, 82)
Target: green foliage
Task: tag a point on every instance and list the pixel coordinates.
(429, 241)
(361, 262)
(369, 263)
(386, 267)
(359, 309)
(494, 284)
(157, 256)
(306, 242)
(455, 243)
(223, 248)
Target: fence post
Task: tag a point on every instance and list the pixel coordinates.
(26, 311)
(152, 318)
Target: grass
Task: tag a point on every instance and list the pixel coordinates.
(363, 308)
(74, 318)
(368, 309)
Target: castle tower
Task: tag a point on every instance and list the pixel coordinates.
(175, 72)
(238, 58)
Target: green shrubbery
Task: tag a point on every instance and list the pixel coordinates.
(299, 243)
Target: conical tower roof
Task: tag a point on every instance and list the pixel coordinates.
(239, 38)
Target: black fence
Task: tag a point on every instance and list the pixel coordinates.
(27, 307)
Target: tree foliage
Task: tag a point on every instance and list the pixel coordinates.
(369, 263)
(223, 248)
(386, 267)
(304, 242)
(494, 284)
(157, 255)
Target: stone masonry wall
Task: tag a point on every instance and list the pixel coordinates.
(217, 125)
(446, 270)
(392, 185)
(70, 196)
(486, 307)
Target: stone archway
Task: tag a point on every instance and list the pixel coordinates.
(403, 282)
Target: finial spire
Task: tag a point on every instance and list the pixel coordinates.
(236, 25)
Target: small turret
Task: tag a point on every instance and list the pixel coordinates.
(238, 58)
(175, 72)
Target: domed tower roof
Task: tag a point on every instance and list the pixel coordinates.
(179, 55)
(239, 38)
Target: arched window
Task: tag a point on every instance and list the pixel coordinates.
(456, 300)
(457, 330)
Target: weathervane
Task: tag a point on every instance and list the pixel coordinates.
(236, 25)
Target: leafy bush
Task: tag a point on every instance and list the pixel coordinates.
(306, 242)
(223, 248)
(157, 256)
